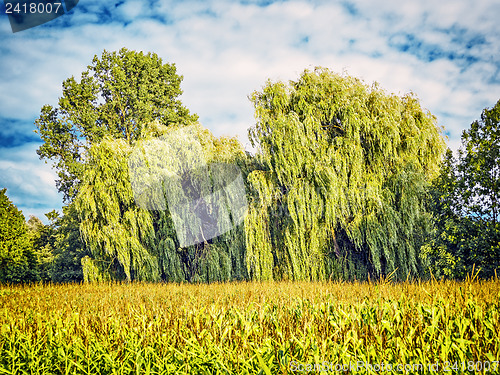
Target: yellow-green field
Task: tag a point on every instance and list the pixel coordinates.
(251, 328)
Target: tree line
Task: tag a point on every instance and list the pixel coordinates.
(347, 182)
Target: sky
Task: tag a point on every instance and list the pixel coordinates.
(446, 52)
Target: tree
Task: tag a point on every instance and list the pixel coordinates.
(42, 241)
(342, 186)
(129, 240)
(57, 246)
(479, 167)
(117, 96)
(465, 203)
(17, 259)
(69, 247)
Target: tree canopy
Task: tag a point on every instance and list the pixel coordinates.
(465, 203)
(17, 260)
(118, 94)
(479, 167)
(342, 186)
(338, 187)
(132, 240)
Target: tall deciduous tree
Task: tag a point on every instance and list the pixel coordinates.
(466, 199)
(117, 96)
(479, 167)
(342, 186)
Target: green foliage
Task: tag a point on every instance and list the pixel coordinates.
(479, 167)
(42, 242)
(479, 170)
(466, 204)
(342, 185)
(442, 253)
(131, 242)
(116, 96)
(69, 248)
(18, 262)
(113, 227)
(57, 247)
(337, 189)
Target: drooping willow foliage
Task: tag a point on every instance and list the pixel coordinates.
(128, 225)
(337, 189)
(341, 188)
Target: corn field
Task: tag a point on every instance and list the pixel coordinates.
(251, 328)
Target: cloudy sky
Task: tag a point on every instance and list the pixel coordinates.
(447, 52)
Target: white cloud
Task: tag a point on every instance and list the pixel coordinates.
(132, 10)
(29, 181)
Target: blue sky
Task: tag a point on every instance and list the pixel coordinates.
(447, 52)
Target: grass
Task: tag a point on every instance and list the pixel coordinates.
(251, 328)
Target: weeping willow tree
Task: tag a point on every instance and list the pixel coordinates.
(342, 184)
(166, 207)
(336, 190)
